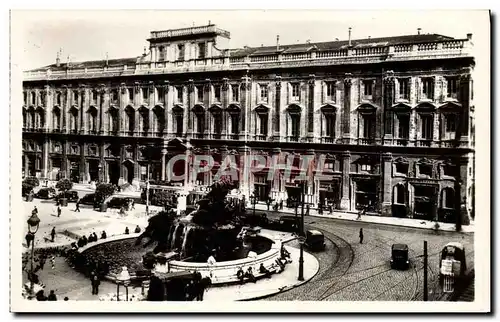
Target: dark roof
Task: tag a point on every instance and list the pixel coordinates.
(340, 44)
(269, 50)
(92, 64)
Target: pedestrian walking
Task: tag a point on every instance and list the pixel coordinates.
(308, 208)
(281, 204)
(59, 210)
(77, 206)
(268, 203)
(35, 211)
(361, 235)
(361, 212)
(53, 233)
(331, 209)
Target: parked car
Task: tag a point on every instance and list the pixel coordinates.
(399, 256)
(88, 199)
(118, 202)
(259, 219)
(46, 193)
(71, 195)
(315, 240)
(288, 223)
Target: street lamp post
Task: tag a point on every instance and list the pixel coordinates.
(33, 225)
(301, 258)
(253, 199)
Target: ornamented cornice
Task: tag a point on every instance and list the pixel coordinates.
(389, 78)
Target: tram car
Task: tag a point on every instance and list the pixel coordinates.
(452, 261)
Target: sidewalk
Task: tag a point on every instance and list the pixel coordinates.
(406, 222)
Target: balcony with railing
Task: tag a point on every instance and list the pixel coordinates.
(399, 52)
(261, 137)
(327, 139)
(292, 138)
(234, 136)
(424, 143)
(366, 141)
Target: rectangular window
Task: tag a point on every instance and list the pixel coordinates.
(263, 124)
(217, 93)
(425, 169)
(330, 91)
(427, 126)
(145, 93)
(179, 124)
(75, 97)
(180, 52)
(161, 94)
(450, 170)
(115, 95)
(33, 98)
(369, 126)
(428, 88)
(404, 88)
(201, 50)
(452, 87)
(179, 94)
(367, 89)
(295, 92)
(366, 167)
(131, 94)
(402, 168)
(404, 126)
(451, 123)
(199, 92)
(161, 53)
(24, 97)
(263, 93)
(236, 93)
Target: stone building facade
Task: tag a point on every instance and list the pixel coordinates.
(394, 117)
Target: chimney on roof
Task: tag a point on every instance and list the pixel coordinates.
(419, 30)
(58, 58)
(68, 62)
(350, 36)
(469, 36)
(277, 42)
(369, 37)
(106, 58)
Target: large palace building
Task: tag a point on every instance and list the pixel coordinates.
(393, 116)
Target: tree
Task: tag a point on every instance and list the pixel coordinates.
(64, 185)
(160, 198)
(28, 184)
(103, 191)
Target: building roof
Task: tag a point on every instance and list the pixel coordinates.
(269, 50)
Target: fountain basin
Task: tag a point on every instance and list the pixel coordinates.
(226, 272)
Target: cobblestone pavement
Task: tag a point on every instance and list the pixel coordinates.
(361, 272)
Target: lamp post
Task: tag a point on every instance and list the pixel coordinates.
(302, 240)
(33, 225)
(122, 278)
(302, 237)
(147, 193)
(100, 172)
(253, 200)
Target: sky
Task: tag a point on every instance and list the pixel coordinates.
(89, 35)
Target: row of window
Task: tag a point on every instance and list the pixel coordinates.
(330, 89)
(180, 51)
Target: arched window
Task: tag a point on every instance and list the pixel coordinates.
(159, 124)
(130, 112)
(73, 119)
(234, 117)
(25, 118)
(114, 125)
(294, 122)
(144, 114)
(92, 119)
(178, 113)
(328, 121)
(448, 198)
(216, 119)
(199, 113)
(31, 117)
(56, 118)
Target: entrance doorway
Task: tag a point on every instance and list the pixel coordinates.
(114, 172)
(329, 194)
(94, 170)
(366, 195)
(129, 171)
(74, 173)
(425, 202)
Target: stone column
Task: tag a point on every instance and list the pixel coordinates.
(207, 176)
(244, 172)
(163, 164)
(83, 172)
(187, 168)
(245, 99)
(49, 103)
(65, 108)
(122, 179)
(102, 113)
(275, 184)
(64, 165)
(386, 184)
(462, 186)
(388, 101)
(45, 156)
(346, 113)
(137, 167)
(189, 106)
(346, 167)
(465, 94)
(277, 110)
(103, 173)
(310, 107)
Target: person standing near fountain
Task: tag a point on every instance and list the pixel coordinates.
(211, 262)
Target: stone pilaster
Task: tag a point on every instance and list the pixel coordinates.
(49, 105)
(346, 167)
(245, 187)
(465, 95)
(310, 106)
(388, 101)
(122, 179)
(189, 105)
(163, 163)
(83, 172)
(277, 109)
(246, 86)
(346, 112)
(386, 183)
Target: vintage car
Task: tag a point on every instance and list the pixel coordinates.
(71, 196)
(315, 240)
(399, 256)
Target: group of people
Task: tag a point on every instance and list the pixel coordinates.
(195, 288)
(40, 296)
(82, 241)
